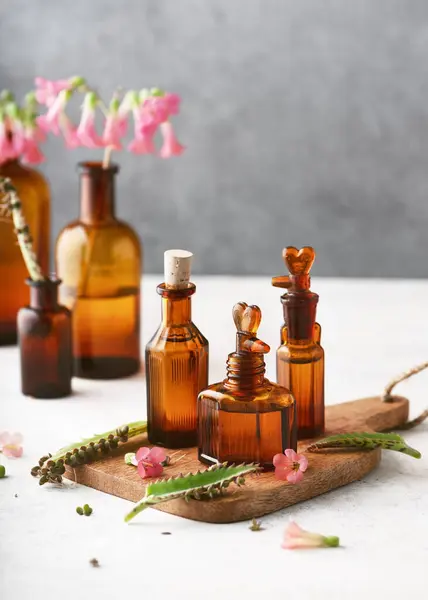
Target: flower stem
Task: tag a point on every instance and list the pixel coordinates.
(13, 205)
(107, 157)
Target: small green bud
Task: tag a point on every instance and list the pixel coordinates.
(157, 92)
(2, 471)
(79, 510)
(6, 96)
(35, 471)
(77, 81)
(43, 480)
(331, 541)
(87, 510)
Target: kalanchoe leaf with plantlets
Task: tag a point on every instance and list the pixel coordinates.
(365, 441)
(51, 468)
(197, 486)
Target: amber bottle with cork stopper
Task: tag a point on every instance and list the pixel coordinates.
(246, 417)
(300, 358)
(176, 360)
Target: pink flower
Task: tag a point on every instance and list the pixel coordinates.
(144, 130)
(31, 153)
(296, 537)
(69, 132)
(170, 146)
(7, 147)
(150, 461)
(290, 466)
(47, 91)
(114, 129)
(50, 122)
(173, 103)
(10, 444)
(86, 133)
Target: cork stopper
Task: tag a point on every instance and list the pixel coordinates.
(177, 265)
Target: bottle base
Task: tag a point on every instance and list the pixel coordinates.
(173, 439)
(210, 460)
(105, 367)
(48, 392)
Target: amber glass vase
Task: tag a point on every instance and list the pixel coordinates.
(44, 330)
(246, 417)
(176, 371)
(300, 358)
(33, 191)
(98, 259)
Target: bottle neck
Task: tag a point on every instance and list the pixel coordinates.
(299, 315)
(97, 193)
(176, 305)
(44, 294)
(245, 371)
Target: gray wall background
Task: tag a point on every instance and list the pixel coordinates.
(306, 122)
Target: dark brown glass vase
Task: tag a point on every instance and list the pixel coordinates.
(44, 333)
(98, 258)
(176, 371)
(33, 192)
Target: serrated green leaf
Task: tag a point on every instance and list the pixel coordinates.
(366, 441)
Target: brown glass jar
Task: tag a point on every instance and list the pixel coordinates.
(44, 331)
(246, 417)
(176, 371)
(98, 258)
(33, 192)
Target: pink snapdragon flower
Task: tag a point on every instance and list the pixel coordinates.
(171, 146)
(290, 466)
(11, 444)
(47, 90)
(69, 132)
(150, 461)
(7, 147)
(297, 538)
(50, 122)
(115, 125)
(86, 132)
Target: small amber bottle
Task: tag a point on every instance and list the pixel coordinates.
(246, 417)
(176, 360)
(98, 258)
(300, 358)
(44, 331)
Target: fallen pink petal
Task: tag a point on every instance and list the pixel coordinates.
(297, 538)
(290, 466)
(11, 444)
(150, 461)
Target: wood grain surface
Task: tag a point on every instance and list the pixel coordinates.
(262, 494)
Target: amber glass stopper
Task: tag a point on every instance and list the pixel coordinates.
(299, 264)
(247, 321)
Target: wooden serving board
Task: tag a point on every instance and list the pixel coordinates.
(262, 494)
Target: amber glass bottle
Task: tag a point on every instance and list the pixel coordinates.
(300, 358)
(176, 364)
(33, 191)
(98, 259)
(44, 330)
(246, 417)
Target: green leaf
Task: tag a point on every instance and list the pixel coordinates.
(366, 441)
(205, 484)
(130, 459)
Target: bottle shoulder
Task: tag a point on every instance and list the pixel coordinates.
(78, 233)
(309, 352)
(268, 397)
(176, 338)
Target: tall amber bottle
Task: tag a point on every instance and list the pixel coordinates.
(300, 358)
(246, 417)
(98, 258)
(176, 360)
(33, 191)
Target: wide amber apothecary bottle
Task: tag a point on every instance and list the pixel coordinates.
(33, 192)
(176, 360)
(246, 417)
(44, 331)
(300, 358)
(98, 258)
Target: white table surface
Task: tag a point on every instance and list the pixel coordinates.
(372, 330)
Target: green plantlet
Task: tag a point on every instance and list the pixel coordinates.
(198, 486)
(87, 510)
(51, 468)
(2, 471)
(79, 510)
(365, 441)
